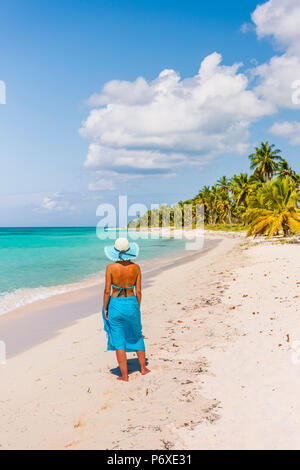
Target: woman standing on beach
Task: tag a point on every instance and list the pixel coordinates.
(121, 305)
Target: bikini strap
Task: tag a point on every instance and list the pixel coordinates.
(122, 289)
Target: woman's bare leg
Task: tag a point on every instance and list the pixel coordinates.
(142, 360)
(122, 361)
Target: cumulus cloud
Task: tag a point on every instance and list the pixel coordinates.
(279, 20)
(289, 130)
(118, 91)
(152, 128)
(126, 163)
(277, 78)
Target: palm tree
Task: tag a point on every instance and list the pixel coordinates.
(178, 210)
(240, 186)
(223, 205)
(214, 201)
(266, 205)
(205, 197)
(224, 184)
(263, 161)
(274, 207)
(284, 170)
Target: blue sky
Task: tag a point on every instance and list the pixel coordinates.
(56, 55)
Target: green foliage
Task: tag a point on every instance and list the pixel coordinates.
(274, 208)
(264, 161)
(227, 227)
(256, 203)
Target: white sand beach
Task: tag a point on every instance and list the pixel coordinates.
(219, 331)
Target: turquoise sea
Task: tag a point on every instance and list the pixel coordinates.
(36, 263)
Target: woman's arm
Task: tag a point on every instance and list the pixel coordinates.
(107, 290)
(138, 287)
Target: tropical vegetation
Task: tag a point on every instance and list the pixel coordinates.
(266, 202)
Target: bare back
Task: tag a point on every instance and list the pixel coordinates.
(124, 274)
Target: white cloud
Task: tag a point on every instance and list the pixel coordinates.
(114, 161)
(276, 80)
(280, 20)
(56, 204)
(289, 130)
(48, 204)
(102, 184)
(138, 92)
(151, 128)
(247, 27)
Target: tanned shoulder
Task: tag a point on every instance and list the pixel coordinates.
(138, 268)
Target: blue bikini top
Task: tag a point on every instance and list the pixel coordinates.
(122, 289)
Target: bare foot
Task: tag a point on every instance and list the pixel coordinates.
(124, 379)
(145, 371)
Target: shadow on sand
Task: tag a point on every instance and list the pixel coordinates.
(132, 364)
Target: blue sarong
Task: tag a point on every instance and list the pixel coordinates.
(123, 327)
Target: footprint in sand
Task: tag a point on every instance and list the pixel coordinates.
(103, 408)
(72, 444)
(78, 425)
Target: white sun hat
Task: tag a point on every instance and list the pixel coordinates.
(122, 250)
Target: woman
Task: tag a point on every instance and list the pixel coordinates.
(121, 305)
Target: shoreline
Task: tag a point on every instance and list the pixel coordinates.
(22, 297)
(42, 293)
(219, 332)
(85, 299)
